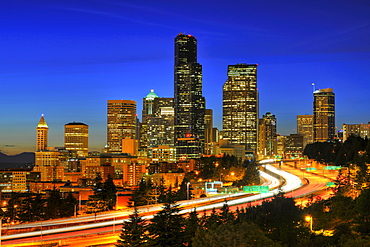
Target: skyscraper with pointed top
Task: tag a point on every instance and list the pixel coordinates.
(189, 103)
(42, 130)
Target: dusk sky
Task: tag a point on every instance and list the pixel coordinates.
(65, 59)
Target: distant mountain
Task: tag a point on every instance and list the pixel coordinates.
(22, 160)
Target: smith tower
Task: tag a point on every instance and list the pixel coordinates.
(240, 107)
(189, 102)
(42, 130)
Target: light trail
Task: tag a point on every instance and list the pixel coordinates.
(292, 182)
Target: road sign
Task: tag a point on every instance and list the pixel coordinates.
(330, 184)
(310, 169)
(256, 189)
(333, 167)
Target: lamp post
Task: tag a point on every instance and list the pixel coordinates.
(187, 190)
(308, 218)
(75, 210)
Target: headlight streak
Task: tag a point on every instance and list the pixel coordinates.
(292, 182)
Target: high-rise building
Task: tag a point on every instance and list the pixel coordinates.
(208, 131)
(361, 130)
(305, 128)
(121, 123)
(157, 127)
(148, 106)
(240, 107)
(189, 102)
(267, 133)
(161, 128)
(42, 130)
(76, 138)
(324, 115)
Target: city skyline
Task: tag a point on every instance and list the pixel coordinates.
(65, 60)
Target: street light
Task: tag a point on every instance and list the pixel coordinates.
(187, 190)
(308, 218)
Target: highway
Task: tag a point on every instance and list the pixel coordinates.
(112, 221)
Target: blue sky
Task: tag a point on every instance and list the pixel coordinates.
(65, 59)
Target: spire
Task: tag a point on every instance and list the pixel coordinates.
(151, 95)
(42, 122)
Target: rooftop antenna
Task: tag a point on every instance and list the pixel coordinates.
(313, 86)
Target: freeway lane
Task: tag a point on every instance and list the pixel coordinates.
(293, 187)
(117, 215)
(270, 181)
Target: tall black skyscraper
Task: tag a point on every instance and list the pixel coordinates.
(324, 115)
(189, 102)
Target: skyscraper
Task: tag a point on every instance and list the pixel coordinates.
(189, 102)
(157, 120)
(208, 131)
(76, 138)
(240, 106)
(305, 128)
(121, 123)
(267, 133)
(148, 105)
(362, 130)
(324, 115)
(42, 130)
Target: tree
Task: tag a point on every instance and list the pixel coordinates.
(54, 205)
(96, 201)
(245, 234)
(166, 228)
(70, 203)
(184, 193)
(133, 232)
(251, 174)
(281, 220)
(191, 226)
(12, 209)
(31, 208)
(144, 194)
(109, 193)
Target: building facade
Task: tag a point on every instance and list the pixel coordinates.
(42, 130)
(240, 107)
(121, 123)
(189, 102)
(208, 131)
(324, 115)
(361, 130)
(267, 133)
(305, 128)
(76, 138)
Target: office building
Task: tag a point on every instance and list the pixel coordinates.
(267, 133)
(208, 131)
(158, 113)
(48, 163)
(121, 123)
(240, 107)
(361, 130)
(76, 138)
(42, 130)
(293, 146)
(324, 115)
(305, 128)
(189, 102)
(148, 105)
